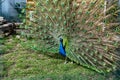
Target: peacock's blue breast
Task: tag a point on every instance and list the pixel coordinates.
(62, 50)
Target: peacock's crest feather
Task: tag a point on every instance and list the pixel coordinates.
(85, 27)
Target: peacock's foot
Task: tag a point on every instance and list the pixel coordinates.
(65, 62)
(72, 62)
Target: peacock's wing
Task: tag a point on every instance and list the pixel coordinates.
(91, 42)
(51, 21)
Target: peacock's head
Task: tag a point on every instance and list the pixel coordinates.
(64, 41)
(61, 40)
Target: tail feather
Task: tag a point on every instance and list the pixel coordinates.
(87, 26)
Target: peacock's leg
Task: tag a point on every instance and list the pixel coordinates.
(65, 60)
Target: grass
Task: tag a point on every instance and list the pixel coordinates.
(21, 63)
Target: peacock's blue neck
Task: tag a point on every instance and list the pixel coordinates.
(62, 49)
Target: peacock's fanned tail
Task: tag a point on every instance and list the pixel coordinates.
(86, 24)
(93, 44)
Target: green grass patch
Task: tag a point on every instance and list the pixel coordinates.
(22, 63)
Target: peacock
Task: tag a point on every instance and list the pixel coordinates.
(80, 30)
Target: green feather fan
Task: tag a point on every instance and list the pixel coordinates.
(84, 25)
